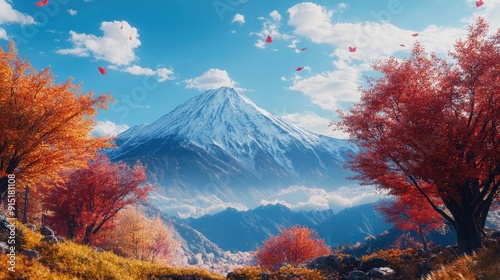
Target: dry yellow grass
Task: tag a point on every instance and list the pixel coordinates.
(484, 265)
(69, 260)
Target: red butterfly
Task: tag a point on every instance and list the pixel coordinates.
(299, 69)
(269, 39)
(414, 34)
(352, 49)
(42, 3)
(303, 49)
(479, 3)
(402, 45)
(102, 70)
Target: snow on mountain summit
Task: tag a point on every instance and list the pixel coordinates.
(229, 120)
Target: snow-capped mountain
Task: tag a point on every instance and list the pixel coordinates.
(220, 148)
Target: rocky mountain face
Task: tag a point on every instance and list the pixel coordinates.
(221, 149)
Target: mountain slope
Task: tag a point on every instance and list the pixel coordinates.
(221, 144)
(236, 230)
(245, 230)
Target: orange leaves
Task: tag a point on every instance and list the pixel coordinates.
(46, 127)
(137, 236)
(292, 246)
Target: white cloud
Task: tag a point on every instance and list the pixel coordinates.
(314, 123)
(137, 70)
(9, 15)
(3, 34)
(275, 15)
(195, 207)
(114, 46)
(270, 27)
(373, 40)
(330, 89)
(72, 12)
(293, 45)
(239, 18)
(303, 198)
(163, 74)
(109, 128)
(212, 79)
(489, 10)
(341, 7)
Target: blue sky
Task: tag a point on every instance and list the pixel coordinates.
(180, 48)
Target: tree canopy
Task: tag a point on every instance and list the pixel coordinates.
(293, 246)
(90, 197)
(430, 126)
(45, 126)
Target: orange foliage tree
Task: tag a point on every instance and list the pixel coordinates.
(431, 127)
(45, 127)
(135, 235)
(90, 197)
(293, 246)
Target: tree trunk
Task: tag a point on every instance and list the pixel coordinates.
(4, 185)
(88, 232)
(468, 232)
(422, 236)
(25, 210)
(71, 230)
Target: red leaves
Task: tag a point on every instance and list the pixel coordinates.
(91, 196)
(352, 49)
(299, 69)
(42, 3)
(401, 45)
(425, 124)
(303, 49)
(414, 34)
(102, 70)
(269, 39)
(479, 3)
(295, 245)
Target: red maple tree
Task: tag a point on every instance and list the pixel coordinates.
(293, 246)
(410, 214)
(89, 197)
(432, 126)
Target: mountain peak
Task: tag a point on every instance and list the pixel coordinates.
(222, 143)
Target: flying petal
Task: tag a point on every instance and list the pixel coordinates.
(102, 70)
(42, 3)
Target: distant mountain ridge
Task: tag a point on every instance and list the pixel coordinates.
(221, 144)
(234, 230)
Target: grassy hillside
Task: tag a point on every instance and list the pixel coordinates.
(69, 260)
